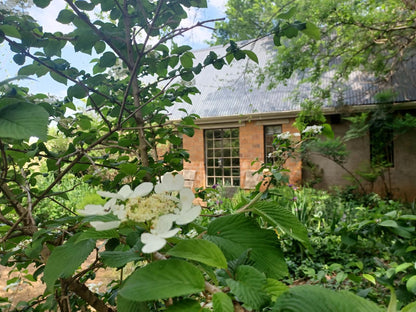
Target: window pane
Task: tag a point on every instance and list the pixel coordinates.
(222, 156)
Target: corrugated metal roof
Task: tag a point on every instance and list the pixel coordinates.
(233, 90)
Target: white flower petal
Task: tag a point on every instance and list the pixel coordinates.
(142, 189)
(170, 183)
(152, 243)
(187, 216)
(124, 192)
(164, 224)
(91, 210)
(103, 226)
(187, 197)
(106, 194)
(120, 212)
(170, 233)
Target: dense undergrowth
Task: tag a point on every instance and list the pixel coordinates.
(361, 243)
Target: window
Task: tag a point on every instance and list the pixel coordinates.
(222, 157)
(270, 133)
(381, 147)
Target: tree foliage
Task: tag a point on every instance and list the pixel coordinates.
(373, 35)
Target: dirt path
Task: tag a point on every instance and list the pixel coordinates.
(24, 290)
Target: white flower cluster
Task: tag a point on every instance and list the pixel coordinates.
(313, 129)
(15, 5)
(284, 136)
(170, 203)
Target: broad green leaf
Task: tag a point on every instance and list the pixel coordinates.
(99, 47)
(275, 288)
(125, 305)
(77, 91)
(55, 76)
(10, 31)
(108, 59)
(389, 223)
(283, 219)
(411, 284)
(317, 299)
(221, 302)
(118, 259)
(42, 3)
(403, 267)
(408, 217)
(248, 286)
(19, 59)
(23, 120)
(65, 259)
(370, 278)
(312, 31)
(251, 55)
(411, 307)
(129, 169)
(65, 16)
(163, 279)
(288, 14)
(199, 250)
(235, 234)
(187, 60)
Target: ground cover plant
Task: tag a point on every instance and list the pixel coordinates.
(136, 216)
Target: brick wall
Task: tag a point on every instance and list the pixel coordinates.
(294, 165)
(251, 147)
(195, 148)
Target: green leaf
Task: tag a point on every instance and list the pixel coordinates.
(118, 259)
(288, 14)
(222, 303)
(283, 219)
(55, 76)
(369, 278)
(411, 307)
(65, 16)
(187, 60)
(235, 234)
(199, 250)
(162, 280)
(108, 59)
(19, 59)
(99, 47)
(42, 3)
(389, 223)
(125, 305)
(65, 259)
(23, 120)
(317, 299)
(275, 288)
(77, 91)
(312, 31)
(403, 267)
(10, 31)
(129, 169)
(84, 5)
(251, 55)
(411, 284)
(248, 287)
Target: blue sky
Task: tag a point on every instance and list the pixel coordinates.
(46, 17)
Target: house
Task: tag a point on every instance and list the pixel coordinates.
(239, 120)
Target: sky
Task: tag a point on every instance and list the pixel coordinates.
(46, 17)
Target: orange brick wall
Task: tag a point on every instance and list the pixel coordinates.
(294, 165)
(251, 147)
(195, 148)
